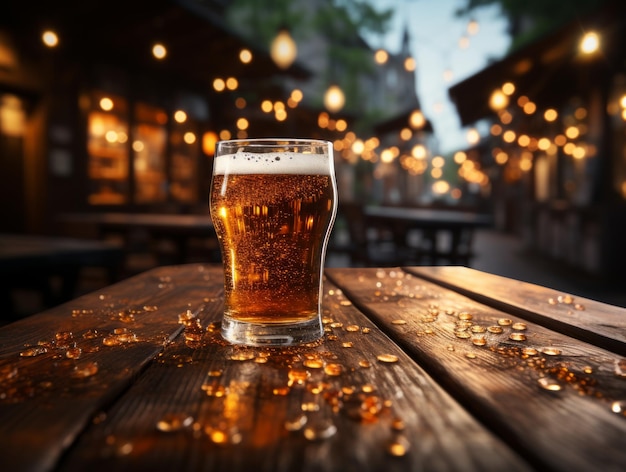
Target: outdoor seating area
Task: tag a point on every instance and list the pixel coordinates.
(313, 235)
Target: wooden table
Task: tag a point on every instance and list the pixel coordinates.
(424, 368)
(178, 228)
(446, 236)
(30, 260)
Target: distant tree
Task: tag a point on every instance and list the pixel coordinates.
(531, 19)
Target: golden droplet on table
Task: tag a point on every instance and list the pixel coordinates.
(505, 322)
(399, 446)
(548, 383)
(398, 322)
(333, 369)
(517, 337)
(387, 358)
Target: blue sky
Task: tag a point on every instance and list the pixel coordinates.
(435, 33)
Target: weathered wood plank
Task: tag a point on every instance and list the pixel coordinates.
(344, 407)
(549, 395)
(88, 351)
(588, 320)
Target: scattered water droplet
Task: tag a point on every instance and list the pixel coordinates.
(313, 363)
(470, 355)
(86, 369)
(530, 351)
(398, 447)
(495, 329)
(397, 424)
(548, 383)
(505, 322)
(463, 334)
(398, 322)
(465, 316)
(365, 330)
(297, 423)
(174, 422)
(323, 429)
(345, 303)
(297, 376)
(517, 337)
(619, 407)
(333, 369)
(33, 351)
(387, 358)
(552, 301)
(243, 355)
(478, 329)
(620, 368)
(73, 353)
(519, 326)
(347, 344)
(352, 328)
(579, 307)
(551, 351)
(479, 341)
(365, 364)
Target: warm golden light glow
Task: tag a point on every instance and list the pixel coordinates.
(334, 99)
(438, 161)
(386, 156)
(296, 95)
(460, 157)
(159, 51)
(358, 146)
(580, 113)
(496, 130)
(417, 120)
(409, 64)
(472, 136)
(436, 172)
(550, 114)
(189, 137)
(219, 85)
(106, 104)
(381, 56)
(242, 124)
(406, 134)
(138, 146)
(472, 27)
(544, 144)
(232, 83)
(501, 157)
(509, 136)
(341, 125)
(283, 49)
(589, 43)
(419, 151)
(180, 116)
(225, 134)
(522, 100)
(50, 38)
(209, 140)
(523, 140)
(508, 88)
(267, 106)
(240, 103)
(245, 56)
(560, 140)
(498, 100)
(440, 187)
(280, 114)
(505, 117)
(572, 132)
(529, 108)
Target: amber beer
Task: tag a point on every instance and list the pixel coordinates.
(272, 205)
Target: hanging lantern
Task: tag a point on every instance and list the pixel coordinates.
(334, 99)
(283, 49)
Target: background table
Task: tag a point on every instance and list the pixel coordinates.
(423, 368)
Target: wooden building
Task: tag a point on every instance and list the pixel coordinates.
(556, 147)
(118, 107)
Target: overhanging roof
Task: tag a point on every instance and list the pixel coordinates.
(200, 47)
(550, 70)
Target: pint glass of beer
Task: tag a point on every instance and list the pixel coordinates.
(273, 203)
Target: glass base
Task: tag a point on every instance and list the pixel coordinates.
(265, 334)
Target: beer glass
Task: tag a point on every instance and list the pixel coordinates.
(273, 203)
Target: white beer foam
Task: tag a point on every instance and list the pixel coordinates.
(272, 163)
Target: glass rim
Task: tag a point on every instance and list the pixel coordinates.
(273, 142)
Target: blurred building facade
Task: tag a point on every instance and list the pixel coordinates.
(121, 111)
(555, 143)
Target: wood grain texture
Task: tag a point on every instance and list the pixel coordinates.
(240, 400)
(585, 319)
(499, 379)
(47, 399)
